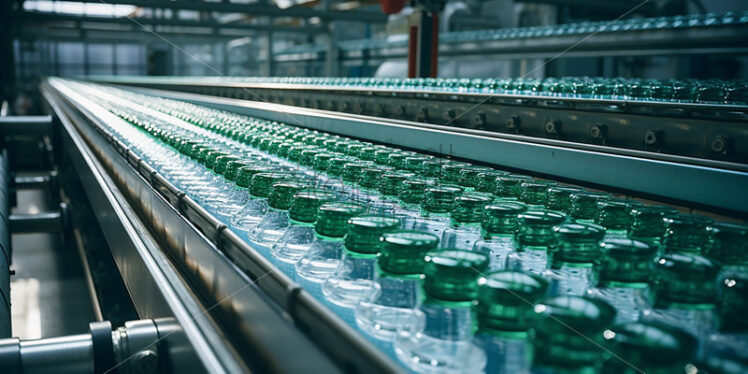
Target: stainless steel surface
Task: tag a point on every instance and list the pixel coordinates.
(154, 285)
(233, 299)
(687, 129)
(670, 178)
(61, 355)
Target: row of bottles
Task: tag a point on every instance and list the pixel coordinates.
(714, 91)
(453, 267)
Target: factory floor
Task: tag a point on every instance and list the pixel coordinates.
(49, 296)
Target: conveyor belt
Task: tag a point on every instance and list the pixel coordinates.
(710, 133)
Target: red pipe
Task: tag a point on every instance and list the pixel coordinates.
(412, 51)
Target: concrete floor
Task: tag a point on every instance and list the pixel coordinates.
(49, 296)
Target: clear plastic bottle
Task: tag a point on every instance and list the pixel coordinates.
(251, 214)
(685, 293)
(299, 236)
(500, 223)
(534, 240)
(569, 335)
(571, 269)
(276, 220)
(506, 318)
(400, 266)
(466, 218)
(443, 340)
(626, 271)
(323, 257)
(641, 347)
(354, 280)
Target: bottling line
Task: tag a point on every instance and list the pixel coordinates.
(204, 190)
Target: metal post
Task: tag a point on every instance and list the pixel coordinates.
(423, 43)
(7, 59)
(269, 60)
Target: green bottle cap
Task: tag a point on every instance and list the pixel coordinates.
(559, 197)
(321, 161)
(210, 160)
(686, 233)
(510, 185)
(627, 262)
(392, 183)
(487, 180)
(274, 146)
(413, 190)
(433, 167)
(284, 148)
(734, 304)
(452, 275)
(470, 176)
(440, 199)
(222, 163)
(577, 243)
(469, 208)
(281, 194)
(333, 218)
(306, 205)
(506, 300)
(729, 244)
(367, 153)
(232, 169)
(534, 192)
(365, 231)
(335, 165)
(536, 228)
(342, 146)
(332, 144)
(502, 218)
(569, 332)
(647, 221)
(648, 347)
(397, 159)
(262, 182)
(245, 174)
(584, 205)
(308, 156)
(352, 171)
(451, 171)
(415, 163)
(685, 280)
(615, 214)
(354, 150)
(371, 177)
(404, 251)
(382, 155)
(294, 153)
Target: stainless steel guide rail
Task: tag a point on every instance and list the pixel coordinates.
(715, 132)
(236, 312)
(688, 181)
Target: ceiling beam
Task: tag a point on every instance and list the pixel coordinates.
(38, 18)
(252, 9)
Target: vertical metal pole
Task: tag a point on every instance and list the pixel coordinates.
(270, 57)
(114, 59)
(423, 44)
(86, 67)
(7, 58)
